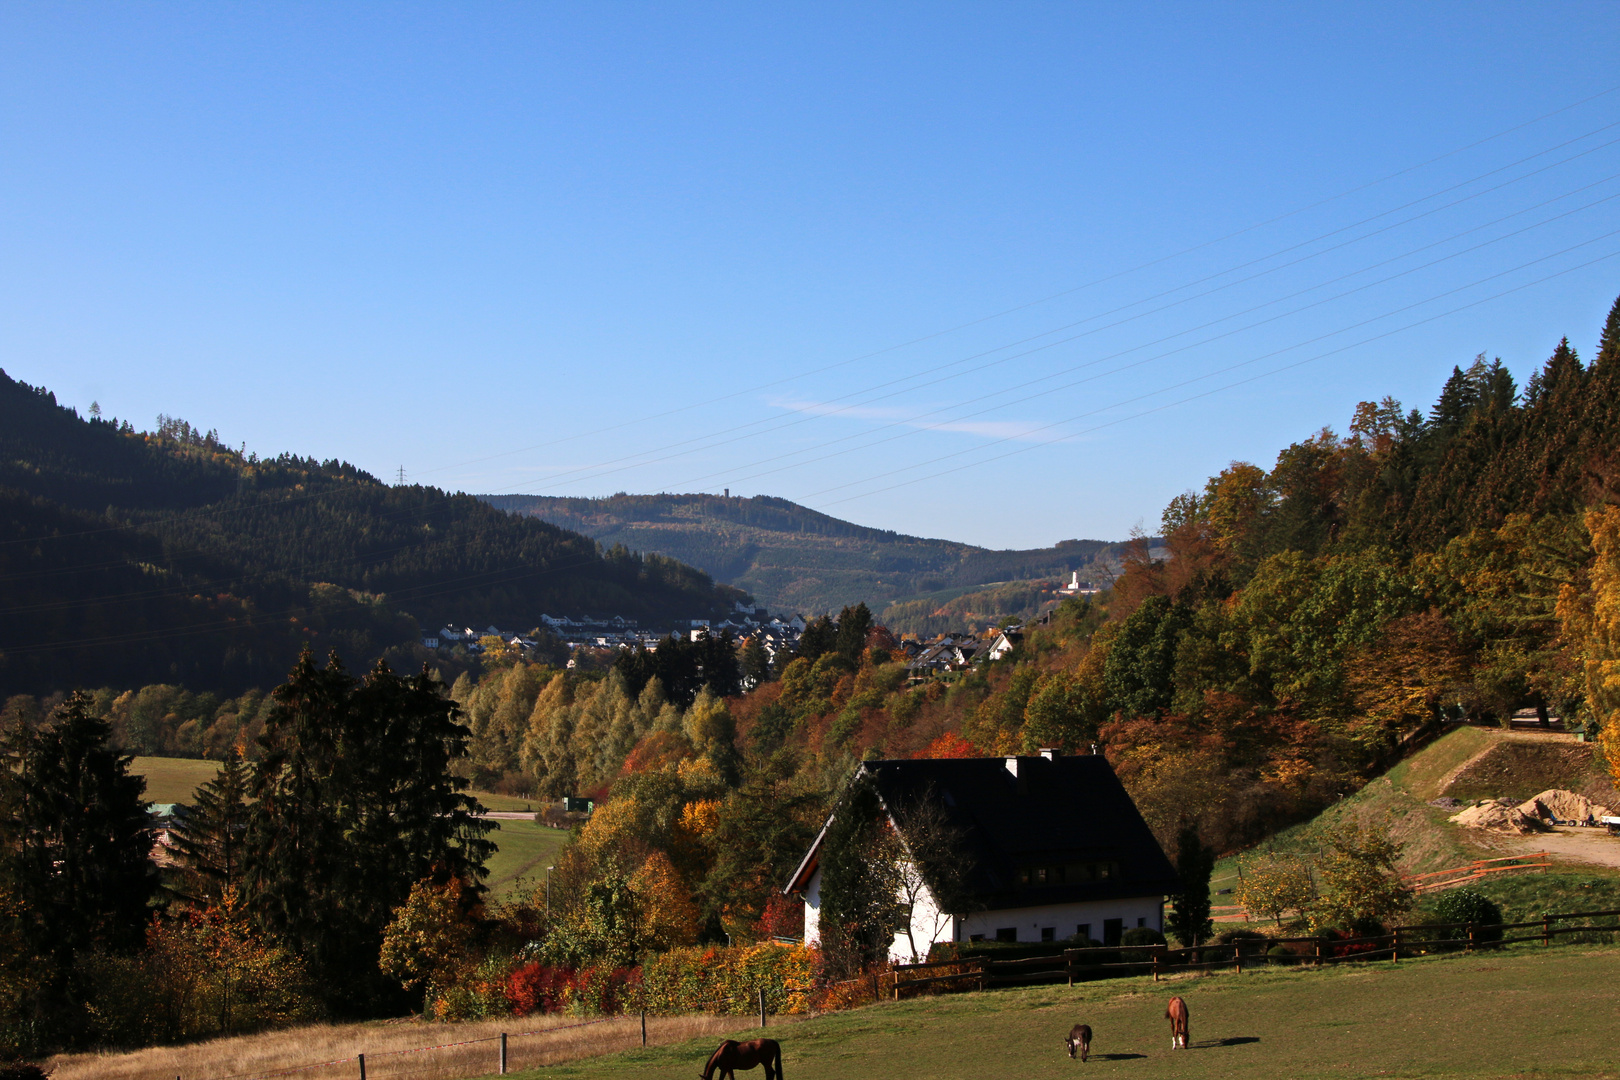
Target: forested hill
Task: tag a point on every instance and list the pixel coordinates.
(791, 557)
(129, 557)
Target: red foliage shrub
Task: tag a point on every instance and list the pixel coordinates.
(783, 917)
(537, 987)
(949, 745)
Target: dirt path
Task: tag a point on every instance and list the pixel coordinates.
(1594, 846)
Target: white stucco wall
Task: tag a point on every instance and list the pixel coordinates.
(1064, 919)
(929, 925)
(812, 909)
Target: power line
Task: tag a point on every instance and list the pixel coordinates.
(1060, 294)
(1194, 397)
(937, 374)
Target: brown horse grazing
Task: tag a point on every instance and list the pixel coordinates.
(1179, 1016)
(732, 1054)
(1079, 1041)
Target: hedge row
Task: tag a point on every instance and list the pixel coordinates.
(727, 981)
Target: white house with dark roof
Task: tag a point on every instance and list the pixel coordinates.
(1053, 847)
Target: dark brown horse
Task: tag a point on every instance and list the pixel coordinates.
(731, 1055)
(1179, 1016)
(1079, 1041)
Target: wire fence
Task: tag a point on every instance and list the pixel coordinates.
(497, 1054)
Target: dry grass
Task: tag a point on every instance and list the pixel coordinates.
(387, 1048)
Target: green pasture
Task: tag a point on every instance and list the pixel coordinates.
(524, 850)
(1529, 1013)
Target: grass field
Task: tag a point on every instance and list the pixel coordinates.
(170, 780)
(525, 849)
(1529, 1014)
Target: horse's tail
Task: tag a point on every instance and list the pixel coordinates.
(778, 1061)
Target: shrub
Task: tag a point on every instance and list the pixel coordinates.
(1282, 954)
(727, 980)
(1467, 906)
(22, 1072)
(1142, 935)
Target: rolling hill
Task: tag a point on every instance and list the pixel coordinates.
(131, 557)
(790, 557)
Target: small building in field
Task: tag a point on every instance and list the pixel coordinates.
(1053, 848)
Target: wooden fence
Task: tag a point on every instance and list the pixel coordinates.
(1079, 965)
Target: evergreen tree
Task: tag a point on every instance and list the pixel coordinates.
(853, 625)
(819, 637)
(354, 802)
(1189, 907)
(755, 663)
(209, 833)
(79, 839)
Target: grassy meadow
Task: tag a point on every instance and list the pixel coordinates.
(1530, 1013)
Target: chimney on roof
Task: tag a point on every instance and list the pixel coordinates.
(1012, 764)
(1050, 753)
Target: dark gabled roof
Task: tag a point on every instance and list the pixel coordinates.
(1055, 811)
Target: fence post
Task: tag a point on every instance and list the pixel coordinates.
(1546, 928)
(762, 999)
(643, 1027)
(1470, 946)
(503, 1053)
(1155, 965)
(1237, 956)
(362, 1067)
(1395, 946)
(1321, 948)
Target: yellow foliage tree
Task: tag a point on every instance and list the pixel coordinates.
(429, 942)
(1590, 619)
(1275, 886)
(669, 918)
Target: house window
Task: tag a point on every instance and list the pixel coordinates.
(1083, 932)
(1141, 921)
(1007, 933)
(1048, 933)
(1113, 930)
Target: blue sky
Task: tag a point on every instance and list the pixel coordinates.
(789, 250)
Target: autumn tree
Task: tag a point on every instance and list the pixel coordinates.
(1275, 886)
(1360, 882)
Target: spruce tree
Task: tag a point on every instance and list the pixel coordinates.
(355, 801)
(209, 834)
(1189, 907)
(79, 857)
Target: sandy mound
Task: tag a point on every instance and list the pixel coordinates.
(1498, 817)
(1562, 804)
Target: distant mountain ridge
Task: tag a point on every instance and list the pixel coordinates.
(793, 558)
(131, 557)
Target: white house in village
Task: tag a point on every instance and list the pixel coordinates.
(1053, 848)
